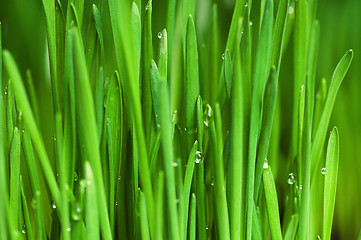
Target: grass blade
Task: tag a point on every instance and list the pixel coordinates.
(192, 219)
(331, 172)
(91, 217)
(143, 217)
(272, 203)
(262, 69)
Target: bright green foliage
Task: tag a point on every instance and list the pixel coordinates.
(166, 119)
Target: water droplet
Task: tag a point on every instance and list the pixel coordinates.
(23, 229)
(246, 4)
(265, 164)
(23, 130)
(177, 200)
(223, 56)
(207, 114)
(76, 213)
(52, 203)
(147, 7)
(212, 182)
(250, 23)
(318, 237)
(116, 203)
(75, 177)
(119, 178)
(160, 35)
(53, 137)
(291, 10)
(301, 187)
(323, 171)
(207, 227)
(158, 125)
(199, 157)
(174, 164)
(291, 179)
(68, 229)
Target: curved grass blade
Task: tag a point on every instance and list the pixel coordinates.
(262, 68)
(154, 86)
(329, 197)
(29, 121)
(136, 27)
(320, 135)
(32, 94)
(210, 93)
(163, 56)
(159, 207)
(272, 203)
(88, 131)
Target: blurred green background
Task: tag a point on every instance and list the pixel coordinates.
(23, 30)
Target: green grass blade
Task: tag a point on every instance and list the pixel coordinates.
(32, 94)
(135, 20)
(301, 123)
(199, 176)
(331, 172)
(168, 157)
(163, 55)
(300, 52)
(88, 130)
(91, 213)
(270, 96)
(321, 130)
(15, 177)
(143, 217)
(159, 207)
(222, 219)
(192, 219)
(279, 33)
(26, 225)
(272, 203)
(235, 171)
(147, 56)
(191, 81)
(29, 121)
(262, 69)
(154, 86)
(194, 156)
(210, 90)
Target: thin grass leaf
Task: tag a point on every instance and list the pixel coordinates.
(136, 26)
(10, 112)
(199, 176)
(270, 96)
(272, 203)
(91, 217)
(337, 78)
(262, 69)
(26, 227)
(235, 171)
(192, 218)
(32, 95)
(168, 158)
(143, 217)
(154, 86)
(222, 219)
(330, 185)
(147, 56)
(15, 177)
(210, 90)
(194, 157)
(159, 207)
(300, 48)
(191, 81)
(301, 123)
